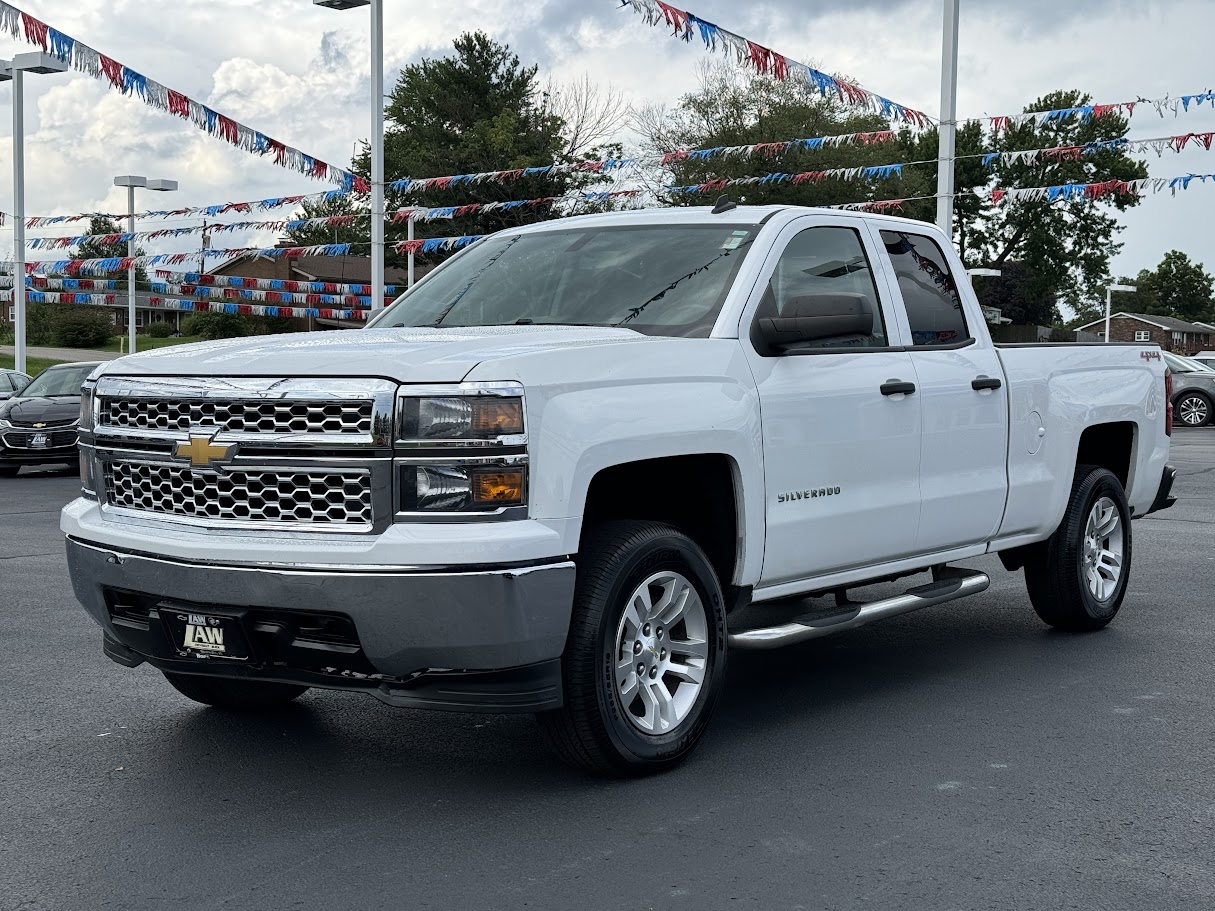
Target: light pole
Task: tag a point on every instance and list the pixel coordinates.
(947, 132)
(36, 62)
(377, 139)
(131, 181)
(1109, 293)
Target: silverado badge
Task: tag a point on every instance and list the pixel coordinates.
(202, 453)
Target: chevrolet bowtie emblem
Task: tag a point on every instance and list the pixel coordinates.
(202, 452)
(40, 425)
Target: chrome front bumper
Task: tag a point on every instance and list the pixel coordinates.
(406, 622)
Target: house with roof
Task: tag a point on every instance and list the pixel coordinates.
(1170, 334)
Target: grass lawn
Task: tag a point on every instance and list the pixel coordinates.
(146, 343)
(33, 365)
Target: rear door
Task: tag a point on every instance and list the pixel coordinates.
(841, 457)
(961, 390)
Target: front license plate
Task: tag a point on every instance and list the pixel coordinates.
(40, 441)
(205, 635)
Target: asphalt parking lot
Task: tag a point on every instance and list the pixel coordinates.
(964, 757)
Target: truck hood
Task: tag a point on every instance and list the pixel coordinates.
(405, 355)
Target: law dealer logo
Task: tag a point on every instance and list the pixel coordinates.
(812, 494)
(203, 634)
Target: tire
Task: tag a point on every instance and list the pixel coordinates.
(1192, 409)
(1077, 578)
(225, 693)
(615, 722)
(9, 471)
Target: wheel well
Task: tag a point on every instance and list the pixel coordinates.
(694, 493)
(1178, 396)
(1109, 446)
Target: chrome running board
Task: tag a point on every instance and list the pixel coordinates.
(952, 585)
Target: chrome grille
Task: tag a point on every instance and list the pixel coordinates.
(313, 496)
(56, 439)
(238, 416)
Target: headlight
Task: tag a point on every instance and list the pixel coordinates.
(476, 435)
(472, 486)
(484, 415)
(85, 422)
(5, 425)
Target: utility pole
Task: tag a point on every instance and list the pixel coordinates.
(206, 245)
(949, 119)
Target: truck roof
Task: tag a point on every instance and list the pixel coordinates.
(747, 215)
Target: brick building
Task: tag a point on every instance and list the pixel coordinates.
(1170, 334)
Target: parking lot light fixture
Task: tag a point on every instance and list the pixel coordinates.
(15, 70)
(131, 181)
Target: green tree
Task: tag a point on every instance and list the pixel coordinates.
(1177, 287)
(99, 249)
(1019, 296)
(1064, 247)
(479, 109)
(1066, 244)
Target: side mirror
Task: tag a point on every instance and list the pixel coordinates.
(808, 318)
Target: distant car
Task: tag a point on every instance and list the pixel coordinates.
(1206, 358)
(11, 382)
(38, 426)
(1193, 390)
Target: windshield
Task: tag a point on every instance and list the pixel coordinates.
(657, 279)
(58, 381)
(1179, 364)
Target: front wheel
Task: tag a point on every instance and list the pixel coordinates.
(1193, 409)
(225, 693)
(645, 657)
(1077, 578)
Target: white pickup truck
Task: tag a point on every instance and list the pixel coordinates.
(579, 462)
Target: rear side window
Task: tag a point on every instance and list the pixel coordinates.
(930, 293)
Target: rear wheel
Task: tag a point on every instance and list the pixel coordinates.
(1077, 579)
(224, 693)
(1193, 409)
(646, 653)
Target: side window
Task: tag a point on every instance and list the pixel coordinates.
(824, 274)
(930, 294)
(5, 384)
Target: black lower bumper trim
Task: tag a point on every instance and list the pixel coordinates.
(532, 688)
(1164, 498)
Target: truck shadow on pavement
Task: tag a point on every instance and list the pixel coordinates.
(862, 687)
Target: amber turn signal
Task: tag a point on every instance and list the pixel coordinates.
(497, 416)
(498, 488)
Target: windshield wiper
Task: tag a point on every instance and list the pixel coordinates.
(493, 259)
(635, 312)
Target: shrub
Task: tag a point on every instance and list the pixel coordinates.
(6, 334)
(79, 327)
(40, 322)
(159, 330)
(211, 326)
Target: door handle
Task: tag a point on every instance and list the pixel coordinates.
(897, 387)
(979, 383)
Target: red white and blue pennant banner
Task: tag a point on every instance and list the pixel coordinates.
(768, 62)
(1162, 106)
(81, 57)
(53, 297)
(168, 303)
(62, 284)
(267, 284)
(113, 264)
(211, 292)
(1101, 190)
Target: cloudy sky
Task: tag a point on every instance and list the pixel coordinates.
(299, 74)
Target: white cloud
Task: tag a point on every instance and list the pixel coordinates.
(299, 73)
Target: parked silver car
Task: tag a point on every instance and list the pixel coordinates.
(1193, 390)
(1206, 358)
(12, 382)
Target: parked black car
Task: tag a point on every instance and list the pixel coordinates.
(38, 424)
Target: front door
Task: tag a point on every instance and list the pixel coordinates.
(841, 454)
(963, 398)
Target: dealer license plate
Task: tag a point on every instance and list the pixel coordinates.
(40, 441)
(206, 635)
